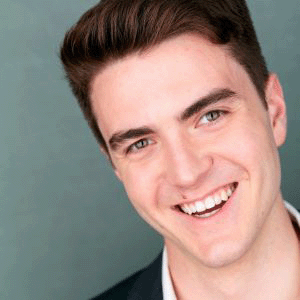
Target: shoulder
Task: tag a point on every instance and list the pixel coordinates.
(120, 290)
(144, 284)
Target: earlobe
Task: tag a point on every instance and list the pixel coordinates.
(276, 109)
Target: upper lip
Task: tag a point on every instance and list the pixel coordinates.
(213, 191)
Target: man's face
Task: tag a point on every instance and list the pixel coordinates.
(185, 126)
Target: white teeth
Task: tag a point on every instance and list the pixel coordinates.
(217, 199)
(192, 208)
(185, 209)
(229, 192)
(224, 196)
(209, 202)
(188, 209)
(200, 206)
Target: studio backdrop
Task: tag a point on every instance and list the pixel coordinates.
(67, 230)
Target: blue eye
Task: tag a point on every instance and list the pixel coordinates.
(140, 144)
(211, 116)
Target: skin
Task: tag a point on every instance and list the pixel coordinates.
(167, 151)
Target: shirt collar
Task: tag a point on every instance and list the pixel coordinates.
(167, 286)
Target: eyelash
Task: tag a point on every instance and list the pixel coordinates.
(134, 148)
(215, 118)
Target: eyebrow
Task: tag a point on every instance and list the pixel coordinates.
(212, 98)
(119, 137)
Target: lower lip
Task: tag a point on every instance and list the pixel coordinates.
(209, 214)
(214, 215)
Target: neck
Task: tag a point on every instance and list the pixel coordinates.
(269, 270)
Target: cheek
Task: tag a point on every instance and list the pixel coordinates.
(250, 141)
(139, 184)
(145, 193)
(253, 148)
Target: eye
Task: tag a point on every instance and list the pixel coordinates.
(137, 146)
(211, 116)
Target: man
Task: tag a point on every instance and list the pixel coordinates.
(180, 99)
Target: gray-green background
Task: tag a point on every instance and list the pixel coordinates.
(67, 230)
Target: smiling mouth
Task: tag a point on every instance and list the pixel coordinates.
(211, 204)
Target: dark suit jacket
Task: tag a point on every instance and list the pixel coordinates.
(145, 284)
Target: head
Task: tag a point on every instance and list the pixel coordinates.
(178, 94)
(114, 29)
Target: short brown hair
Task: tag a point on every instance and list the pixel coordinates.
(115, 28)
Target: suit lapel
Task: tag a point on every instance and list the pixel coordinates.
(148, 286)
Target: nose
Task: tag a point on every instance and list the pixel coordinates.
(187, 164)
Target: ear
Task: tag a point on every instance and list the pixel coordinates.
(108, 157)
(276, 109)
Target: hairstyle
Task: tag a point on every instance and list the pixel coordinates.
(115, 28)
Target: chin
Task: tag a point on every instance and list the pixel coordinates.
(221, 256)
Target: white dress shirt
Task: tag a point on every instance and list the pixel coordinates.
(167, 286)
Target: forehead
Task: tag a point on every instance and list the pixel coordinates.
(143, 88)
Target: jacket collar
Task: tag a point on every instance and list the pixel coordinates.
(149, 284)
